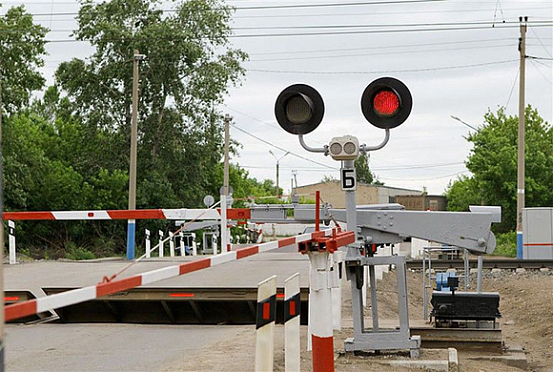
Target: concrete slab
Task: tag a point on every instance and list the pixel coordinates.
(453, 360)
(517, 360)
(427, 365)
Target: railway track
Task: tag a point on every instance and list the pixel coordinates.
(489, 263)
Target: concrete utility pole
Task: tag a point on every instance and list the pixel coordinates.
(521, 127)
(131, 227)
(1, 240)
(224, 224)
(277, 170)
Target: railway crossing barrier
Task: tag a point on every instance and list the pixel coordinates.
(52, 302)
(139, 214)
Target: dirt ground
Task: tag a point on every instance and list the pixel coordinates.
(527, 321)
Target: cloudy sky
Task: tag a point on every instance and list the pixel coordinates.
(446, 52)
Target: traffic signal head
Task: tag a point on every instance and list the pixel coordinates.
(299, 109)
(344, 148)
(386, 103)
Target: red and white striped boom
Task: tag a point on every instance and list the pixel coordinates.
(55, 301)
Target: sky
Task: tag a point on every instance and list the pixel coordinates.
(447, 52)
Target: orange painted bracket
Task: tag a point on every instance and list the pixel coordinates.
(238, 213)
(329, 244)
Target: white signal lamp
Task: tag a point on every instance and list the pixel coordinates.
(344, 148)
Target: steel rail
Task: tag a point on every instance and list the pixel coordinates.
(489, 263)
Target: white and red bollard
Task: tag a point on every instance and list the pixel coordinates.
(161, 245)
(292, 310)
(265, 325)
(171, 244)
(147, 243)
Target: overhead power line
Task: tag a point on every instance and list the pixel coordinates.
(380, 54)
(379, 14)
(426, 24)
(310, 51)
(383, 71)
(341, 32)
(295, 6)
(282, 149)
(356, 32)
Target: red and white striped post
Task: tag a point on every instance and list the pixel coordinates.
(147, 243)
(161, 244)
(182, 249)
(171, 244)
(265, 325)
(320, 304)
(11, 240)
(292, 312)
(320, 313)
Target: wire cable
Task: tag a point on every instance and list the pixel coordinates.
(384, 71)
(546, 50)
(282, 149)
(379, 54)
(438, 29)
(440, 24)
(512, 89)
(536, 67)
(380, 47)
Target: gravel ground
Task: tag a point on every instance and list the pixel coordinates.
(526, 305)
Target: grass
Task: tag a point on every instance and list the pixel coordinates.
(506, 244)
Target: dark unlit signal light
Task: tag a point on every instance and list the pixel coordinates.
(299, 109)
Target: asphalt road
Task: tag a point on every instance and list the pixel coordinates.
(107, 347)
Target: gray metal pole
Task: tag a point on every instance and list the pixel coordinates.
(351, 204)
(227, 141)
(466, 268)
(131, 227)
(521, 124)
(424, 293)
(479, 275)
(224, 235)
(277, 188)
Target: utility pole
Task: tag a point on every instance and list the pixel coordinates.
(277, 170)
(1, 238)
(131, 227)
(521, 128)
(224, 194)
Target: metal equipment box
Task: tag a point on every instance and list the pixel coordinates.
(465, 305)
(537, 230)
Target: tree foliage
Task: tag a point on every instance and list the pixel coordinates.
(186, 73)
(493, 164)
(70, 149)
(21, 50)
(364, 174)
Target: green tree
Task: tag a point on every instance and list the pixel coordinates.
(21, 50)
(493, 164)
(363, 171)
(185, 76)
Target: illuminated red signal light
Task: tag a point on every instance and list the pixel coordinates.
(386, 103)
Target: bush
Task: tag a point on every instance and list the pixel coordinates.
(506, 244)
(78, 253)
